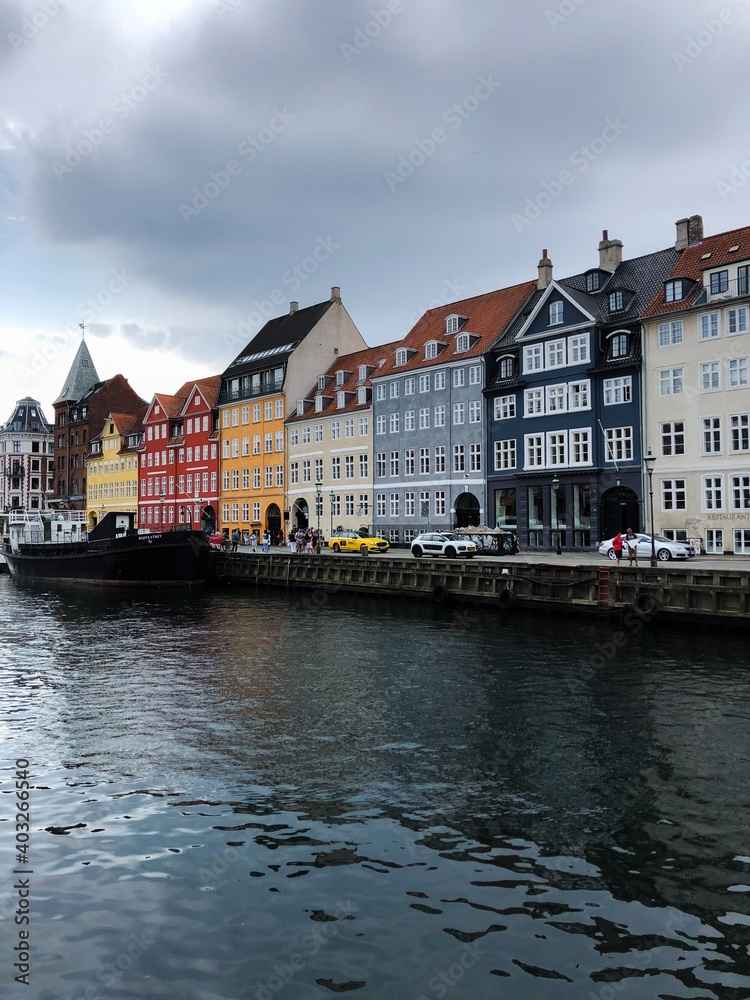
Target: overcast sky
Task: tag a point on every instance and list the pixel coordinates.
(174, 172)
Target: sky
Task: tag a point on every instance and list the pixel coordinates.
(174, 172)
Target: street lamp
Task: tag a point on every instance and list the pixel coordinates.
(555, 485)
(649, 459)
(162, 498)
(318, 505)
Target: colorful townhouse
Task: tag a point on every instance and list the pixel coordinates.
(697, 402)
(179, 459)
(26, 458)
(429, 436)
(564, 404)
(259, 390)
(112, 466)
(329, 446)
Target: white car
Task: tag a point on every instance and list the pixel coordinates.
(442, 543)
(665, 549)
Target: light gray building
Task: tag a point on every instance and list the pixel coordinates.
(26, 463)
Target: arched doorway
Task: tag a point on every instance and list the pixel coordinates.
(619, 510)
(273, 520)
(467, 510)
(208, 519)
(301, 513)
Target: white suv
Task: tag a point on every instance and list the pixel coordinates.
(442, 543)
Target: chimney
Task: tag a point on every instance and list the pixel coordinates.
(689, 231)
(335, 294)
(695, 229)
(293, 307)
(681, 239)
(610, 253)
(544, 268)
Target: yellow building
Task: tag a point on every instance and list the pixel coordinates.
(112, 467)
(258, 391)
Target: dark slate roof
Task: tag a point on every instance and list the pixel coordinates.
(27, 418)
(277, 339)
(81, 377)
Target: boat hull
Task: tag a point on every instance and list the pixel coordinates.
(171, 559)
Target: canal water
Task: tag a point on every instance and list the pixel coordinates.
(250, 794)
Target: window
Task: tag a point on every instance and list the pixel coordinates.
(711, 427)
(335, 505)
(380, 390)
(394, 504)
(555, 350)
(409, 462)
(578, 349)
(715, 541)
(380, 424)
(424, 383)
(393, 390)
(440, 458)
(741, 541)
(719, 282)
(671, 381)
(305, 471)
(279, 440)
(336, 467)
(362, 426)
(580, 447)
(578, 396)
(533, 402)
(294, 473)
(424, 461)
(409, 385)
(439, 380)
(380, 504)
(452, 324)
(440, 503)
(402, 356)
(463, 342)
(533, 359)
(505, 454)
(458, 413)
(349, 428)
(670, 333)
(349, 467)
(306, 433)
(459, 458)
(256, 478)
(279, 407)
(708, 326)
(736, 321)
(475, 375)
(710, 376)
(431, 350)
(739, 432)
(363, 465)
(505, 407)
(380, 464)
(618, 444)
(268, 410)
(458, 377)
(439, 415)
(268, 442)
(279, 475)
(673, 494)
(235, 481)
(256, 412)
(340, 400)
(555, 313)
(335, 428)
(742, 276)
(394, 463)
(393, 423)
(556, 451)
(294, 436)
(409, 504)
(409, 423)
(616, 301)
(534, 450)
(318, 470)
(475, 457)
(736, 373)
(556, 398)
(507, 368)
(673, 437)
(475, 411)
(673, 291)
(424, 503)
(713, 493)
(592, 281)
(317, 434)
(618, 345)
(269, 475)
(740, 492)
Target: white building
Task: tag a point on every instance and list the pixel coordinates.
(26, 462)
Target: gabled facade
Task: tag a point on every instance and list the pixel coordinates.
(112, 466)
(179, 458)
(564, 404)
(428, 437)
(259, 390)
(697, 407)
(26, 458)
(329, 446)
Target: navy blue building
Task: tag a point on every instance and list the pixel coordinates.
(564, 404)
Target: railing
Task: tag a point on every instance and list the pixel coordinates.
(734, 289)
(266, 386)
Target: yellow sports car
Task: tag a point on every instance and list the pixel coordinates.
(350, 541)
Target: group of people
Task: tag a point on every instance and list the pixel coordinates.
(305, 540)
(253, 541)
(626, 540)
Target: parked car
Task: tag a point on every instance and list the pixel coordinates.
(351, 541)
(442, 543)
(665, 549)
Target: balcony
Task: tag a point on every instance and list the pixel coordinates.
(734, 289)
(262, 388)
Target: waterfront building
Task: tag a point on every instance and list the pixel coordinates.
(179, 458)
(112, 466)
(80, 410)
(26, 457)
(564, 403)
(259, 390)
(428, 437)
(697, 405)
(329, 446)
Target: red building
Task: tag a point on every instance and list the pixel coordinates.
(178, 480)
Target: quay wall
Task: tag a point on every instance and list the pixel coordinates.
(681, 592)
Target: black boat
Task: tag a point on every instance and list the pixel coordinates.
(55, 545)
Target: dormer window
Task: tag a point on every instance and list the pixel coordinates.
(362, 394)
(431, 350)
(402, 356)
(300, 407)
(593, 279)
(321, 382)
(157, 411)
(340, 378)
(340, 400)
(616, 302)
(618, 345)
(453, 323)
(463, 342)
(507, 367)
(674, 291)
(318, 404)
(719, 282)
(555, 313)
(362, 373)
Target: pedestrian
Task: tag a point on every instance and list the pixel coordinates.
(292, 542)
(235, 539)
(300, 537)
(266, 539)
(254, 541)
(617, 544)
(631, 540)
(308, 540)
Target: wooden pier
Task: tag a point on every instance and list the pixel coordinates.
(679, 592)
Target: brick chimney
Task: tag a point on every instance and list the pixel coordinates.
(544, 268)
(293, 307)
(335, 294)
(688, 232)
(610, 253)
